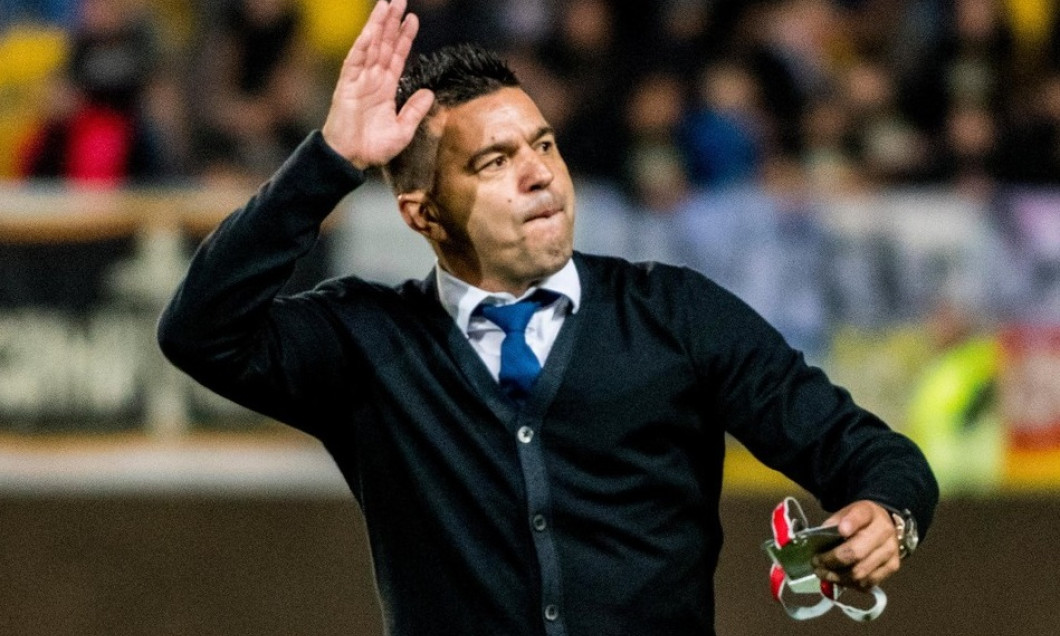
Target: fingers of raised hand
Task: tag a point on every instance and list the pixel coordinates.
(392, 26)
(409, 27)
(383, 44)
(385, 22)
(362, 124)
(358, 56)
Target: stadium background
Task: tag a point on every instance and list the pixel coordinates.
(880, 178)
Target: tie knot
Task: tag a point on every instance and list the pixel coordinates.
(515, 317)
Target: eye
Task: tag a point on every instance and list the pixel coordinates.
(546, 145)
(495, 162)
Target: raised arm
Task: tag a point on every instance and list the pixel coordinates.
(225, 325)
(363, 124)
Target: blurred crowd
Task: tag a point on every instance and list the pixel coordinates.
(655, 97)
(704, 132)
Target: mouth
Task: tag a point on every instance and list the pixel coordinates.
(543, 213)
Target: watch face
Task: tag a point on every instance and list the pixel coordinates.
(912, 538)
(905, 526)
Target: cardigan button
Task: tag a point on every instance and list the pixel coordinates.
(525, 434)
(551, 613)
(539, 522)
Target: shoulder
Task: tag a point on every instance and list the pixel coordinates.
(350, 288)
(679, 296)
(610, 275)
(352, 297)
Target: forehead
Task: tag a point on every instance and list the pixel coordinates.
(507, 113)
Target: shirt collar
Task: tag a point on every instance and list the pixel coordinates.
(460, 299)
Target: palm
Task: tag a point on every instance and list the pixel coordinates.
(363, 124)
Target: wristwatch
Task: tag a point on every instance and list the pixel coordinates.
(905, 530)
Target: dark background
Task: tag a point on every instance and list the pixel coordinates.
(154, 566)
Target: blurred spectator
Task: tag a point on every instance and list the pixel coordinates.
(656, 174)
(954, 409)
(165, 105)
(684, 31)
(968, 160)
(725, 134)
(525, 23)
(913, 38)
(655, 178)
(889, 148)
(830, 163)
(256, 90)
(970, 63)
(95, 131)
(981, 54)
(790, 49)
(60, 12)
(582, 52)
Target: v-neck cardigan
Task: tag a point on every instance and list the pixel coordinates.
(590, 510)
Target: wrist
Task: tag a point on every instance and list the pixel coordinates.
(336, 148)
(905, 528)
(359, 168)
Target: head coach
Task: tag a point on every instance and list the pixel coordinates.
(535, 435)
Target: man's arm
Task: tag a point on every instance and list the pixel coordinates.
(225, 326)
(796, 421)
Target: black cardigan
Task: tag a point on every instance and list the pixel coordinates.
(590, 510)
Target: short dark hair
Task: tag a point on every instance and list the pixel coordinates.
(456, 74)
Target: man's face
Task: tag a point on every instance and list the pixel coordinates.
(502, 192)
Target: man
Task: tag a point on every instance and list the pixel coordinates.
(583, 500)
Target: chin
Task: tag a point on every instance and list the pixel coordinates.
(554, 259)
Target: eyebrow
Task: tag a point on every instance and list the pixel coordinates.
(507, 145)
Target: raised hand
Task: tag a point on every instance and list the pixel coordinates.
(363, 124)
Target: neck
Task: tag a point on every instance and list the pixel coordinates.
(472, 274)
(490, 284)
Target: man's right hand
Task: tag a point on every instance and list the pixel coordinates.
(363, 124)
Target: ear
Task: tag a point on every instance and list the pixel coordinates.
(421, 215)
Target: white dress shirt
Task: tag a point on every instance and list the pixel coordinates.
(460, 300)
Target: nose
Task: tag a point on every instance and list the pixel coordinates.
(537, 174)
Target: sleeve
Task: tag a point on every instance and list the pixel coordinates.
(225, 325)
(795, 420)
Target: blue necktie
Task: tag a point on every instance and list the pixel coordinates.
(519, 365)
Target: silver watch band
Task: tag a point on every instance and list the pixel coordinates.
(905, 530)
